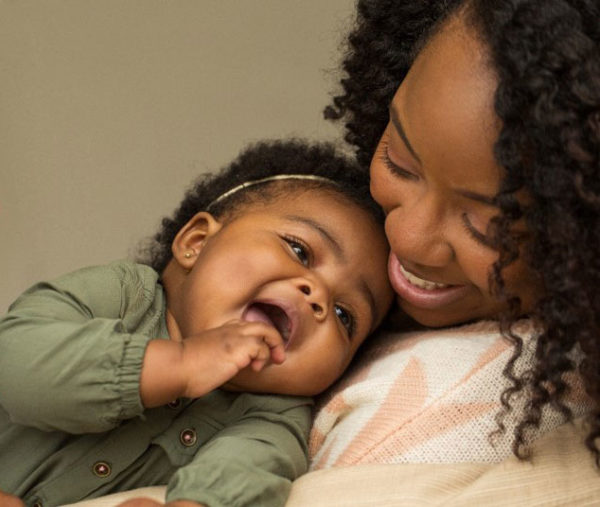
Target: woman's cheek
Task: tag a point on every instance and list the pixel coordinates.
(379, 189)
(477, 263)
(522, 281)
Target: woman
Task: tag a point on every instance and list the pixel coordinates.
(484, 120)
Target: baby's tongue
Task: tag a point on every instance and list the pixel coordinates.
(256, 314)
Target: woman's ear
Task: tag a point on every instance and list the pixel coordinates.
(190, 239)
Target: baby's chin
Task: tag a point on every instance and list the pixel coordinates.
(251, 382)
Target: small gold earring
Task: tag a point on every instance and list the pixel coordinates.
(187, 255)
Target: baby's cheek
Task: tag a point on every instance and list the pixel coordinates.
(333, 365)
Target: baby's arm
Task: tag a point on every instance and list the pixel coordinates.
(69, 359)
(201, 363)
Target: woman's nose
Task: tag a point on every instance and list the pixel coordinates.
(315, 295)
(418, 233)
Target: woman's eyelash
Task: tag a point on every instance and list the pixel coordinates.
(394, 168)
(474, 233)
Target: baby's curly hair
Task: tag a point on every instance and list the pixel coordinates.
(546, 54)
(260, 160)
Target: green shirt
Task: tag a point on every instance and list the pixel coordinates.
(72, 425)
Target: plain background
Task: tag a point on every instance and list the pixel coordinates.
(109, 109)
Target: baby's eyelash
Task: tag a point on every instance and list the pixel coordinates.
(300, 249)
(350, 325)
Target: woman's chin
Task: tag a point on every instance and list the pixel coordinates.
(436, 318)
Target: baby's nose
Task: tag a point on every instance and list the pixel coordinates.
(315, 296)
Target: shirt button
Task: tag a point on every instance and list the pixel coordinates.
(175, 404)
(188, 437)
(101, 469)
(37, 504)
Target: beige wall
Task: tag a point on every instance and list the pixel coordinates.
(109, 108)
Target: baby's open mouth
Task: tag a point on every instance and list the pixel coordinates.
(270, 314)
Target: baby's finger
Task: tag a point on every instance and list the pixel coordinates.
(276, 345)
(258, 364)
(278, 354)
(140, 502)
(7, 500)
(272, 339)
(260, 355)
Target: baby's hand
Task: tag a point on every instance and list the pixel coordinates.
(215, 356)
(141, 502)
(147, 502)
(7, 500)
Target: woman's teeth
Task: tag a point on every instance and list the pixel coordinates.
(419, 282)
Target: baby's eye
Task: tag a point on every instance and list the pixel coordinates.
(346, 318)
(300, 250)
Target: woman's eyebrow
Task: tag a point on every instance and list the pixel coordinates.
(395, 119)
(474, 196)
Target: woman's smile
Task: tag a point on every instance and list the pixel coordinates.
(419, 292)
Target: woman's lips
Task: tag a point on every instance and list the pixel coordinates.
(426, 298)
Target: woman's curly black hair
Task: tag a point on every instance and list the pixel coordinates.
(260, 160)
(546, 55)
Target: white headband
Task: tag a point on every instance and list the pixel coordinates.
(251, 183)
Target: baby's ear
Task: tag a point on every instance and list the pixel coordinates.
(190, 239)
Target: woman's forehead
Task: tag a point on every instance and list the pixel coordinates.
(446, 105)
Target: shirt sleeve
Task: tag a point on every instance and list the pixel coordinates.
(67, 359)
(250, 462)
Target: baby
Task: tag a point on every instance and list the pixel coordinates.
(196, 370)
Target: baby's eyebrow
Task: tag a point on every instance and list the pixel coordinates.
(363, 286)
(368, 294)
(325, 234)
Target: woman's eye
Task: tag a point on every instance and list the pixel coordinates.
(396, 169)
(474, 233)
(299, 250)
(392, 166)
(346, 318)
